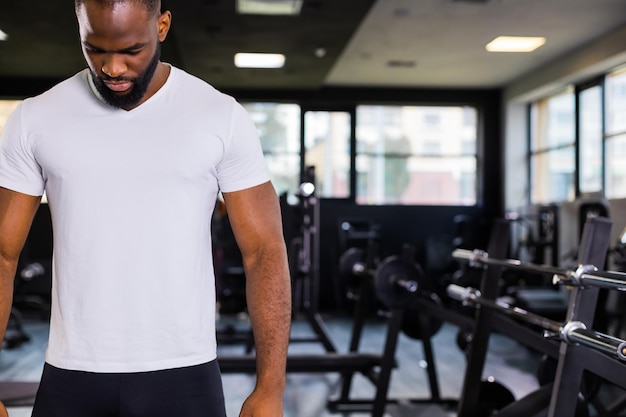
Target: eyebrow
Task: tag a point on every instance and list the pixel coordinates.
(124, 50)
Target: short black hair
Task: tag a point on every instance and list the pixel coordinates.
(153, 6)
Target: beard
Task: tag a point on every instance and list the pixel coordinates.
(137, 91)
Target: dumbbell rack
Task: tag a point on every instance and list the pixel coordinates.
(574, 359)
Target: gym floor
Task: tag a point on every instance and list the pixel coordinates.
(509, 362)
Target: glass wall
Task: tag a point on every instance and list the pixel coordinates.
(416, 155)
(615, 134)
(327, 148)
(279, 131)
(589, 122)
(553, 148)
(6, 108)
(590, 139)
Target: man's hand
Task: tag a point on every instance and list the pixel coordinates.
(260, 404)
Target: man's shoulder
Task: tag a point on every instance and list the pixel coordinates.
(64, 90)
(198, 86)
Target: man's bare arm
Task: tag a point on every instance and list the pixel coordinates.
(16, 216)
(255, 217)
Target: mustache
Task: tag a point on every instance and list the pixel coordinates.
(116, 79)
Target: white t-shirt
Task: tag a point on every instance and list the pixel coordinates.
(131, 195)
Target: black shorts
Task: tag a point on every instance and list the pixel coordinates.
(194, 391)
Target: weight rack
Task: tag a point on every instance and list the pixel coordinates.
(576, 348)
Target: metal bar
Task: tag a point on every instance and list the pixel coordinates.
(584, 275)
(482, 258)
(604, 279)
(599, 341)
(572, 332)
(484, 318)
(473, 296)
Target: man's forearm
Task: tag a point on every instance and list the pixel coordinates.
(7, 278)
(268, 292)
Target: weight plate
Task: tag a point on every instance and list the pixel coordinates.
(417, 325)
(397, 282)
(492, 397)
(348, 259)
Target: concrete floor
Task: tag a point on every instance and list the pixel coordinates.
(510, 363)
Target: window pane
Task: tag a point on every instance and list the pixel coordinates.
(6, 108)
(552, 176)
(615, 92)
(327, 144)
(590, 141)
(552, 121)
(615, 167)
(416, 155)
(416, 180)
(279, 130)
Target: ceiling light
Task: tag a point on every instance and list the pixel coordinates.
(515, 44)
(256, 60)
(3, 36)
(270, 7)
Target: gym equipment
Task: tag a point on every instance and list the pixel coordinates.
(578, 349)
(586, 275)
(304, 262)
(401, 284)
(573, 332)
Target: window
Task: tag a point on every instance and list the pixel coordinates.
(6, 108)
(327, 148)
(416, 155)
(552, 150)
(590, 139)
(279, 131)
(615, 136)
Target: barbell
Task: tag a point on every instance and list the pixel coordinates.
(582, 276)
(572, 332)
(397, 284)
(396, 281)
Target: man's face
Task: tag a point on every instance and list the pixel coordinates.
(121, 45)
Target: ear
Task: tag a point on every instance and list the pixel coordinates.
(164, 22)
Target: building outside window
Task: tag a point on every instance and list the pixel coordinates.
(6, 108)
(615, 134)
(590, 140)
(279, 131)
(327, 148)
(416, 155)
(552, 148)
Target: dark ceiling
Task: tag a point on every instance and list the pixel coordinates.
(399, 43)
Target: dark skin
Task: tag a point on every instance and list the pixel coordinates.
(118, 44)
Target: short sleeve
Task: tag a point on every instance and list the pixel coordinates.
(243, 165)
(19, 170)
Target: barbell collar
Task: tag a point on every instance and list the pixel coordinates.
(598, 341)
(621, 351)
(466, 295)
(407, 285)
(569, 328)
(605, 279)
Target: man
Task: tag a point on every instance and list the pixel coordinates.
(132, 153)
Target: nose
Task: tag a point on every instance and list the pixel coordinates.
(114, 66)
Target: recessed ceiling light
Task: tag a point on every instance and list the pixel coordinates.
(3, 36)
(515, 44)
(270, 7)
(257, 60)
